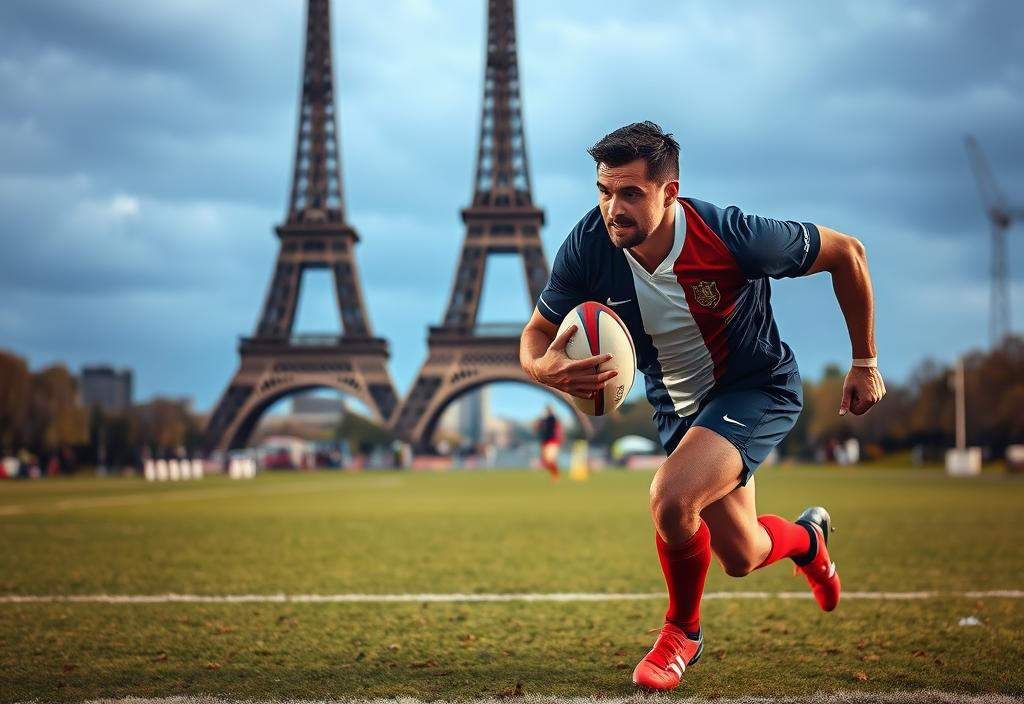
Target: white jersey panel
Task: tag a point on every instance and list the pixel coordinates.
(688, 372)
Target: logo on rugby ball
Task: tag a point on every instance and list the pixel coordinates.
(706, 294)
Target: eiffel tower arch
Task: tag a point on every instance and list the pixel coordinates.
(315, 235)
(502, 219)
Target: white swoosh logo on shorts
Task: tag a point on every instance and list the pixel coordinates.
(618, 303)
(727, 419)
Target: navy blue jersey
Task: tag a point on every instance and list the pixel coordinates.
(703, 320)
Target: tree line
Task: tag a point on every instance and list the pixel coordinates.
(918, 414)
(41, 417)
(43, 423)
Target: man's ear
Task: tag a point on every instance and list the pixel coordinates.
(671, 192)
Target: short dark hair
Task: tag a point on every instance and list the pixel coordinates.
(640, 140)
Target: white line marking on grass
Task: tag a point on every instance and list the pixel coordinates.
(930, 696)
(462, 598)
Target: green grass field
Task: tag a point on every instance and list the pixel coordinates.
(486, 533)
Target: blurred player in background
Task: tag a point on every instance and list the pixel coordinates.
(549, 430)
(691, 282)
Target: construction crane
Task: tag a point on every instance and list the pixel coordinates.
(1000, 218)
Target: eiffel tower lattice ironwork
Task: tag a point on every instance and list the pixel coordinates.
(463, 355)
(315, 235)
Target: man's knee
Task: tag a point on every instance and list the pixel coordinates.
(738, 565)
(671, 508)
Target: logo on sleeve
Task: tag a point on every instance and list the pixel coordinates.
(706, 294)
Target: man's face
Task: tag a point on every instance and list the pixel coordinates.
(631, 204)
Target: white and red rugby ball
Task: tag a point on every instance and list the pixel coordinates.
(601, 331)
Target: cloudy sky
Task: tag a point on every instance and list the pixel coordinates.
(145, 154)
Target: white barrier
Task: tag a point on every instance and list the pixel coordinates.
(242, 468)
(172, 470)
(963, 463)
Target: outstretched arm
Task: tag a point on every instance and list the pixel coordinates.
(845, 259)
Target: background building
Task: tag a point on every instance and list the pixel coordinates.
(106, 388)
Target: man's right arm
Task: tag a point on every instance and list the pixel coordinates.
(542, 356)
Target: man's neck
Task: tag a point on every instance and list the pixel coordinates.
(652, 251)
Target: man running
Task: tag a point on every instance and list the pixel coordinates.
(690, 281)
(549, 429)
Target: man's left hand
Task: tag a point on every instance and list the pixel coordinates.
(862, 389)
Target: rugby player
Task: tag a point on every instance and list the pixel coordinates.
(690, 281)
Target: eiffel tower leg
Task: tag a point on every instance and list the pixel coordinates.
(282, 299)
(536, 269)
(224, 419)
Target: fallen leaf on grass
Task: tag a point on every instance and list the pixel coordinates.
(469, 637)
(420, 664)
(68, 667)
(919, 654)
(860, 676)
(222, 628)
(159, 657)
(870, 658)
(832, 651)
(516, 691)
(213, 666)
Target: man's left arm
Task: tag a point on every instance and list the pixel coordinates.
(845, 259)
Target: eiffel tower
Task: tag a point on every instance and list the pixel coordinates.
(315, 235)
(462, 354)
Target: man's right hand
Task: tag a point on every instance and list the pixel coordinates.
(578, 377)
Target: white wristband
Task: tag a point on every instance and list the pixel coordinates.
(866, 362)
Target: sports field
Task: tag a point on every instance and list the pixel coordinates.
(483, 584)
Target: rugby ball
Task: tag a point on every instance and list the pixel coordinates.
(600, 331)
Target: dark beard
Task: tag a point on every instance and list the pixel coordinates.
(632, 240)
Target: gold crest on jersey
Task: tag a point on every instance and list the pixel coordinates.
(706, 294)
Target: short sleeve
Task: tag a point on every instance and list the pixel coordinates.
(565, 289)
(767, 247)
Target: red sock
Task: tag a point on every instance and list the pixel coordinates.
(788, 539)
(685, 567)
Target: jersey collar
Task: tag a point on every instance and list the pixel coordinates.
(665, 267)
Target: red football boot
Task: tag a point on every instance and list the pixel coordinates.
(821, 571)
(672, 653)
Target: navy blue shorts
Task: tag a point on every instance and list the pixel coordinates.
(754, 420)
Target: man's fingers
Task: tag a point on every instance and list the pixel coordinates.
(562, 340)
(844, 405)
(588, 362)
(607, 376)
